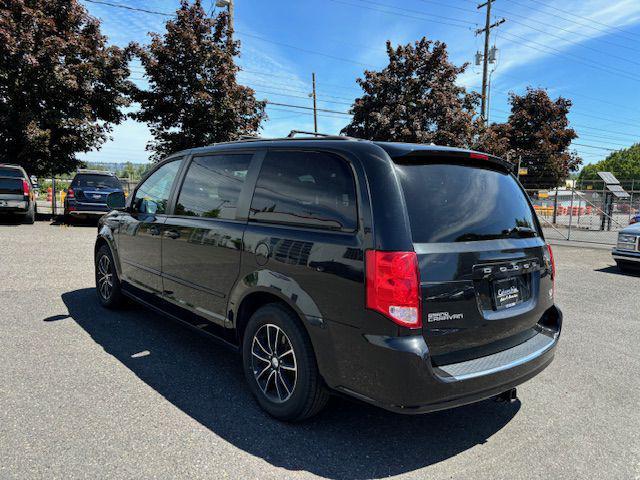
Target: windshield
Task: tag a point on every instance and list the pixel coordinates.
(97, 181)
(10, 172)
(461, 203)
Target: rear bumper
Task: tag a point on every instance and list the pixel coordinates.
(83, 209)
(87, 213)
(407, 382)
(14, 206)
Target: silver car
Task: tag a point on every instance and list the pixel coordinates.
(16, 193)
(627, 251)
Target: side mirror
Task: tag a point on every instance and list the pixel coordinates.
(116, 201)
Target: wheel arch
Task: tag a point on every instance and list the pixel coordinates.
(105, 237)
(254, 299)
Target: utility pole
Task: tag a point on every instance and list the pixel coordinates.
(315, 105)
(485, 60)
(229, 5)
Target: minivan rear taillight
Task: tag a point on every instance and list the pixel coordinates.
(71, 193)
(393, 286)
(26, 188)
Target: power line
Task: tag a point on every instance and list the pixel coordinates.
(608, 102)
(308, 108)
(300, 96)
(313, 52)
(268, 74)
(571, 42)
(577, 125)
(127, 7)
(577, 16)
(303, 113)
(595, 146)
(421, 13)
(448, 5)
(568, 30)
(579, 112)
(554, 51)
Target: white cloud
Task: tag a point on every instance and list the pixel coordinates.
(521, 45)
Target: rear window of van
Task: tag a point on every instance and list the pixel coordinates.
(449, 202)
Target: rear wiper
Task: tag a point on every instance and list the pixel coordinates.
(522, 232)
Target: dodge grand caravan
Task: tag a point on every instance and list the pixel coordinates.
(412, 277)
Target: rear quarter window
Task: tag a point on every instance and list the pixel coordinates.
(306, 188)
(449, 202)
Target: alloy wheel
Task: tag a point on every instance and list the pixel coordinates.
(274, 363)
(105, 277)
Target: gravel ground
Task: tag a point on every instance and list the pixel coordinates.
(87, 393)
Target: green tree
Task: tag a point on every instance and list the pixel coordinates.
(624, 164)
(415, 99)
(61, 86)
(194, 98)
(537, 131)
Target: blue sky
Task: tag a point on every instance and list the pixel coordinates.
(585, 50)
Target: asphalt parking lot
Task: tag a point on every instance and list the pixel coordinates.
(89, 393)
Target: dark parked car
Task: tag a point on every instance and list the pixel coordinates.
(411, 277)
(87, 195)
(627, 251)
(16, 193)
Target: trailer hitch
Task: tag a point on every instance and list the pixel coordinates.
(508, 396)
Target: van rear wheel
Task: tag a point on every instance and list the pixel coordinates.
(280, 365)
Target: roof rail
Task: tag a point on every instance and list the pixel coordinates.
(95, 172)
(293, 133)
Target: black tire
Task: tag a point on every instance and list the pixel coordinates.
(30, 217)
(301, 398)
(110, 295)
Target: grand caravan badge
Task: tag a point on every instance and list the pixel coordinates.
(443, 316)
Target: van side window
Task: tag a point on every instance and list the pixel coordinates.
(153, 195)
(310, 189)
(212, 186)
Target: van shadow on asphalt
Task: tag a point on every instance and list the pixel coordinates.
(348, 440)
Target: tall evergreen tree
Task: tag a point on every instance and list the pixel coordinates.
(194, 98)
(415, 99)
(61, 86)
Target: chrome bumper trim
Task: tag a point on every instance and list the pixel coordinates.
(535, 346)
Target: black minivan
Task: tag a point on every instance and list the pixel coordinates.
(411, 277)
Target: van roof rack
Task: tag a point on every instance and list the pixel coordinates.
(293, 133)
(95, 172)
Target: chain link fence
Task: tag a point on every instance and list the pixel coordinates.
(584, 215)
(588, 214)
